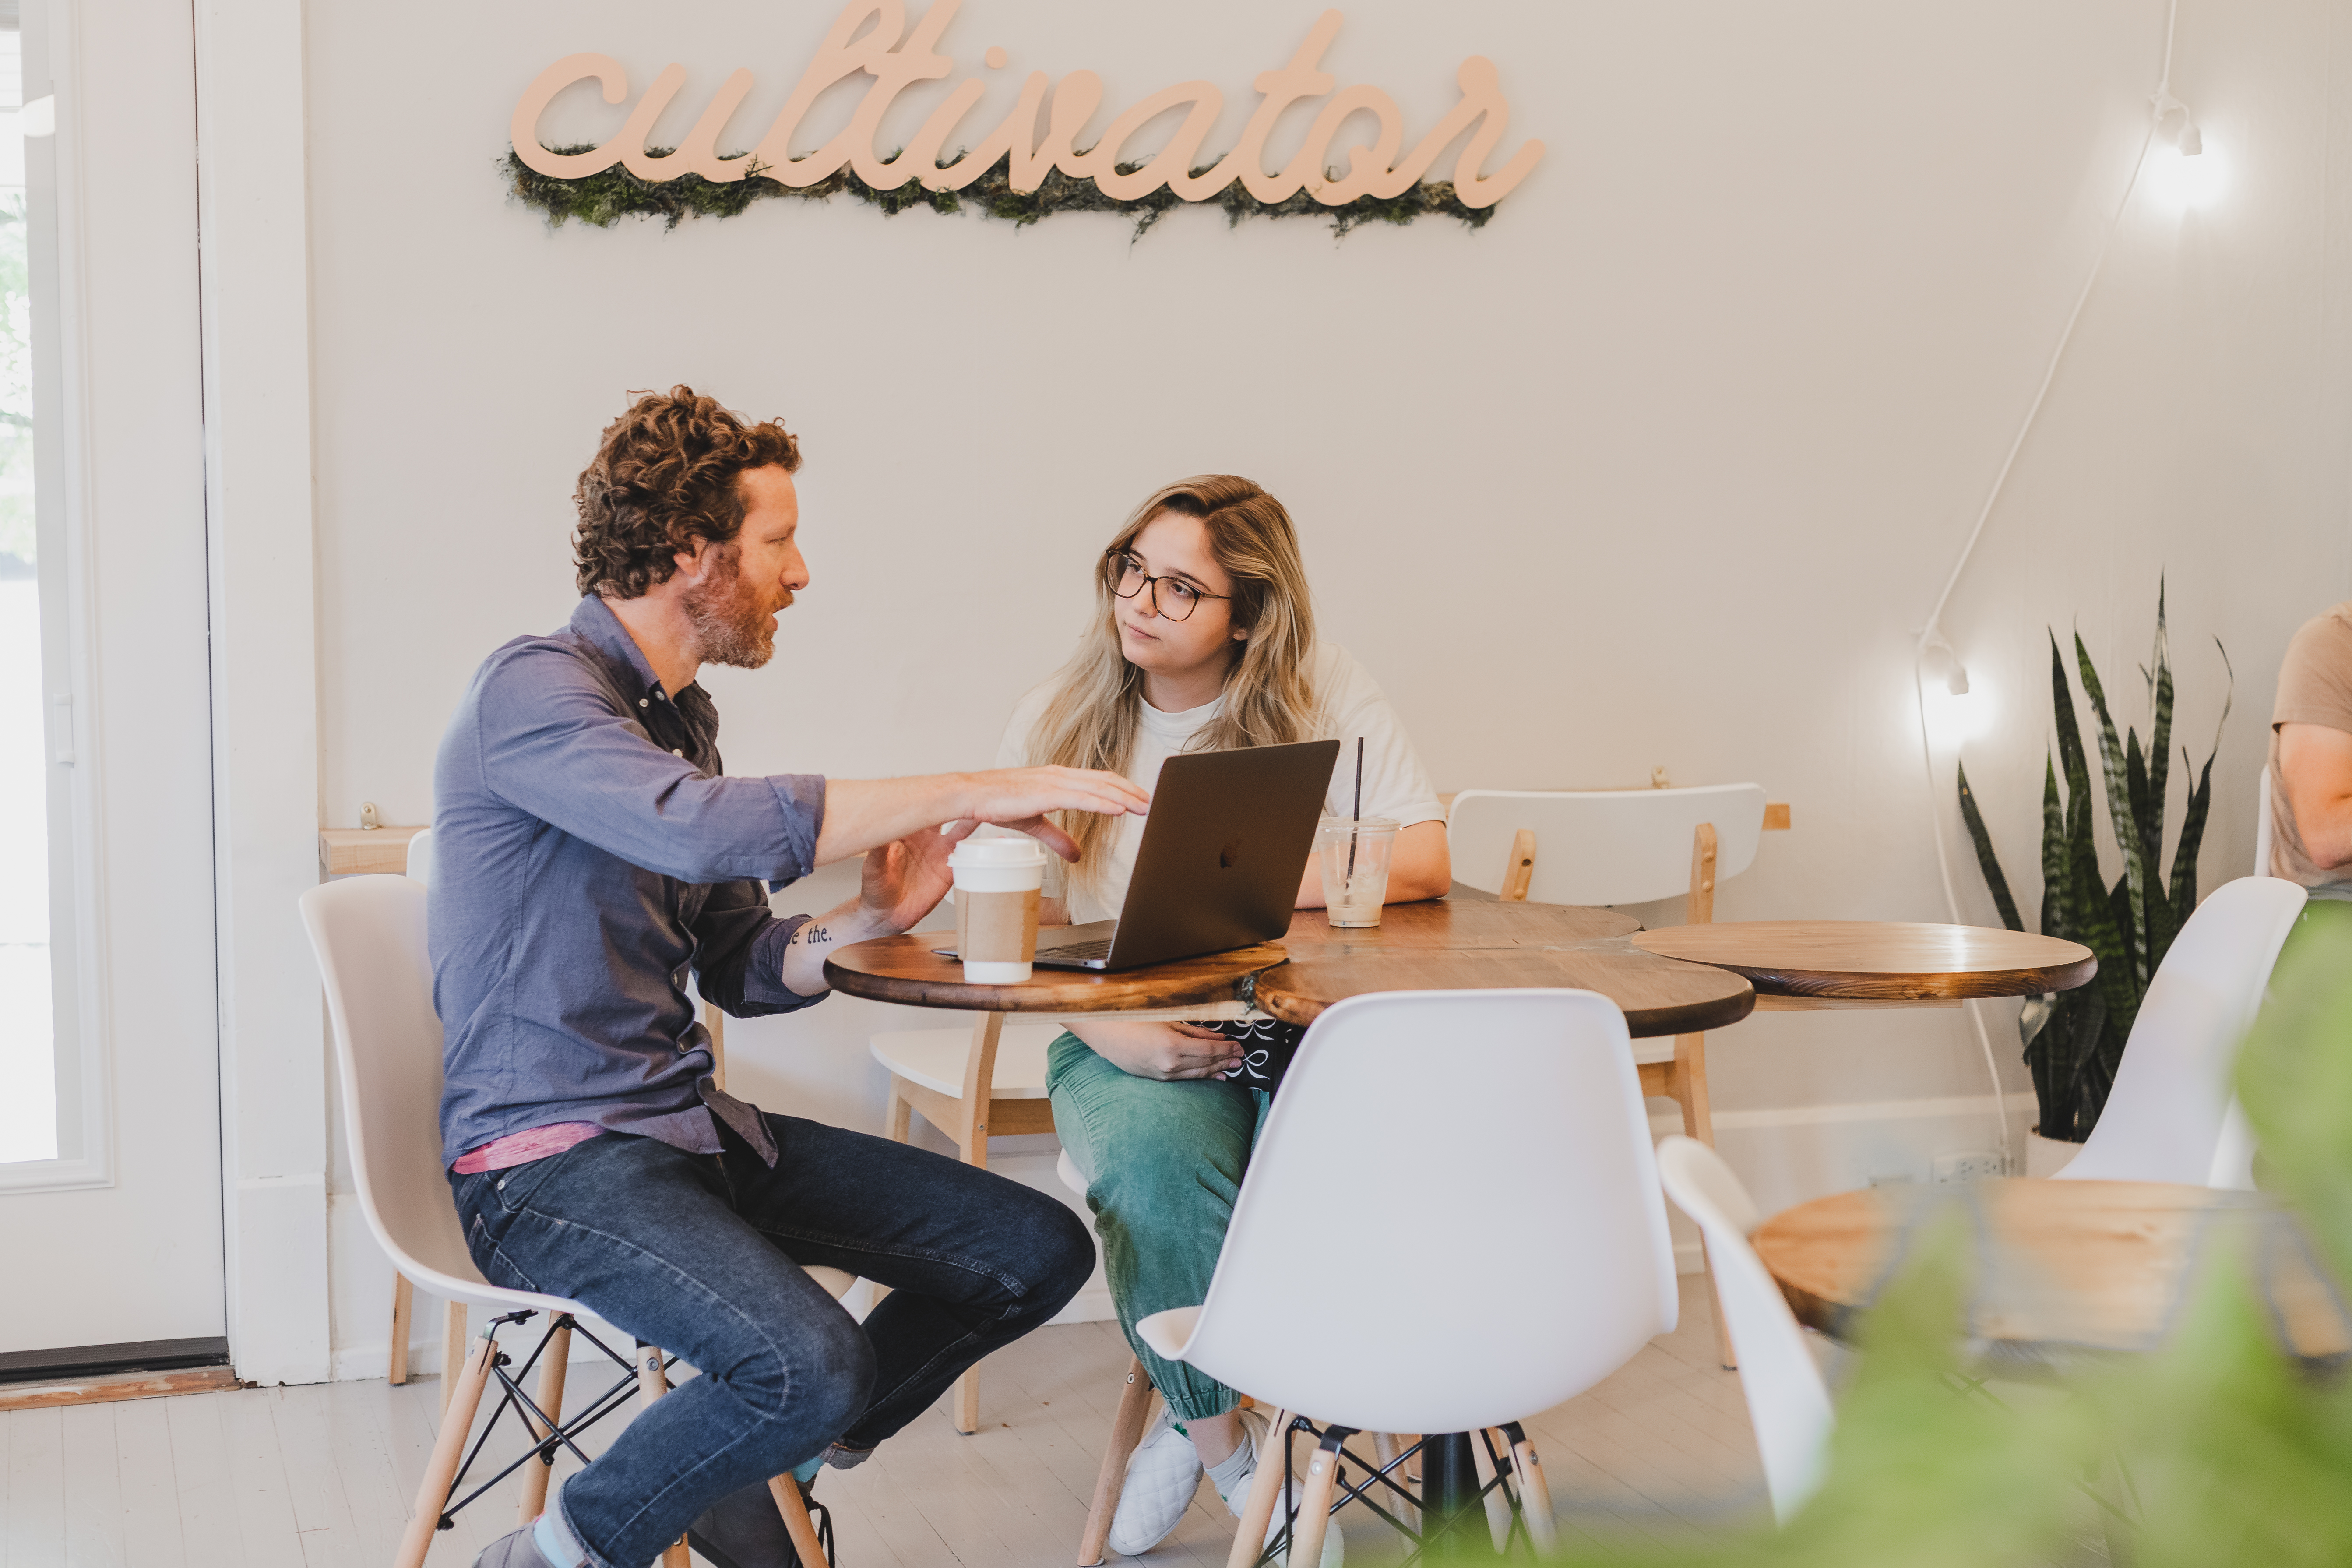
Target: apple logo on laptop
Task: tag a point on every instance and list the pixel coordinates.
(1230, 856)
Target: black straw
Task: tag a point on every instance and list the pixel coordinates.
(1358, 816)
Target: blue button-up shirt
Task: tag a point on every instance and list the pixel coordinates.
(588, 852)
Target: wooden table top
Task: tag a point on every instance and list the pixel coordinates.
(1439, 945)
(1895, 961)
(2099, 1266)
(905, 969)
(1471, 945)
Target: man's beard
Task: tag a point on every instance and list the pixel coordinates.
(728, 617)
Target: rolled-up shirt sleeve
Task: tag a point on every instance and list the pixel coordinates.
(551, 745)
(740, 953)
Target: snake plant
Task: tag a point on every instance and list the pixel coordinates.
(2074, 1039)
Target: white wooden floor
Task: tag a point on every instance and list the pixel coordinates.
(320, 1476)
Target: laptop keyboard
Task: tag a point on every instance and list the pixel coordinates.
(1077, 951)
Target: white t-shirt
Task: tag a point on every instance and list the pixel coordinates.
(1348, 703)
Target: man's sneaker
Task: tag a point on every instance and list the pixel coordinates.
(515, 1550)
(1255, 1433)
(1162, 1474)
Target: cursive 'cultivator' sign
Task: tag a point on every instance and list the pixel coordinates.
(1015, 170)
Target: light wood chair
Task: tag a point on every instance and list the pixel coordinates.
(1620, 847)
(939, 1073)
(368, 933)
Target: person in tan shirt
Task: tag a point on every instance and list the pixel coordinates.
(2311, 758)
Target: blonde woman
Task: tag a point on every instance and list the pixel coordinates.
(1203, 640)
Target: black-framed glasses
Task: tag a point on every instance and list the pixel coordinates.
(1171, 597)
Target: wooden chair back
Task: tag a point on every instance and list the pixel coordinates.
(1607, 846)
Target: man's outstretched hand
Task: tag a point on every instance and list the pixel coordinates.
(1019, 799)
(866, 815)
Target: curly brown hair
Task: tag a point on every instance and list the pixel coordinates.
(663, 477)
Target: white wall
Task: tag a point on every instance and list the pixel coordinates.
(1664, 467)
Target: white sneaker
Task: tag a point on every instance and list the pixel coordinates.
(1162, 1474)
(1255, 1432)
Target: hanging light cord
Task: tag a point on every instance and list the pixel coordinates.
(1932, 637)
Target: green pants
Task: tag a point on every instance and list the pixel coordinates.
(1163, 1163)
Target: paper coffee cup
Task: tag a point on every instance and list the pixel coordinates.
(998, 883)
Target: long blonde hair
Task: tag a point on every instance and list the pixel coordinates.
(1269, 695)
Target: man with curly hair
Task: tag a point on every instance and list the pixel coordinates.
(592, 852)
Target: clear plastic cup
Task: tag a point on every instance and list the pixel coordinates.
(998, 885)
(1355, 867)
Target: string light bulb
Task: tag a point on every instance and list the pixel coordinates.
(2175, 126)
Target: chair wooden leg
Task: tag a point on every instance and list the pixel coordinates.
(1698, 1121)
(454, 1344)
(403, 1298)
(1126, 1432)
(1535, 1493)
(652, 1384)
(467, 1373)
(1386, 1446)
(971, 1142)
(553, 1362)
(1264, 1495)
(797, 1523)
(966, 1402)
(1315, 1506)
(1498, 1506)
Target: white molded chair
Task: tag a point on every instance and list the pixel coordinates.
(1600, 846)
(420, 857)
(368, 933)
(2263, 831)
(1788, 1404)
(1619, 846)
(1554, 1210)
(2170, 1116)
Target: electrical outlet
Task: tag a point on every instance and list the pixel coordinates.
(1973, 1167)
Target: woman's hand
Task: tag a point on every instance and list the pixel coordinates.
(1169, 1052)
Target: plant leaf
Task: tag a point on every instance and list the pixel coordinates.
(2056, 917)
(2192, 836)
(2120, 816)
(2070, 734)
(2159, 737)
(1987, 862)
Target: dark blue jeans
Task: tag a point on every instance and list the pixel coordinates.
(699, 1254)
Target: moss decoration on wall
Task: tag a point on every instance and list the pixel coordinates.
(605, 198)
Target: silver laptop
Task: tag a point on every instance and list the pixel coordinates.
(1223, 850)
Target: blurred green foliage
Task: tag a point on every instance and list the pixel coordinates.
(2217, 1449)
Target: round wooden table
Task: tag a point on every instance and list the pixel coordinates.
(1899, 964)
(2060, 1266)
(1439, 944)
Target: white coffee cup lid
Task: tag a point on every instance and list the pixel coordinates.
(997, 853)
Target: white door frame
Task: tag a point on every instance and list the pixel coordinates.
(254, 283)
